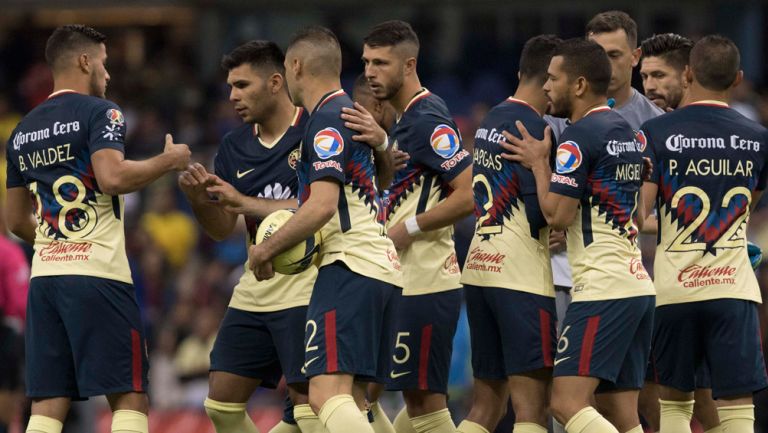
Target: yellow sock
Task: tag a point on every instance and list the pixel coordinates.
(472, 427)
(588, 420)
(340, 414)
(381, 423)
(307, 419)
(402, 423)
(284, 427)
(675, 416)
(435, 422)
(529, 427)
(637, 429)
(129, 421)
(44, 424)
(229, 417)
(737, 419)
(715, 429)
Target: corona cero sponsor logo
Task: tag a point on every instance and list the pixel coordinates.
(481, 260)
(58, 251)
(637, 269)
(452, 264)
(393, 258)
(701, 276)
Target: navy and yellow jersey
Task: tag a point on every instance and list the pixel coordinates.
(80, 229)
(510, 248)
(707, 161)
(356, 234)
(427, 132)
(265, 170)
(599, 162)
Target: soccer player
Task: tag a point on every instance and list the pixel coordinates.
(426, 198)
(709, 168)
(616, 32)
(358, 266)
(662, 67)
(604, 345)
(507, 277)
(262, 334)
(84, 335)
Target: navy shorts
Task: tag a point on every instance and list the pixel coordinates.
(512, 332)
(84, 338)
(261, 345)
(609, 340)
(345, 323)
(703, 379)
(423, 341)
(724, 333)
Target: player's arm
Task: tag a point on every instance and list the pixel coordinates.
(117, 175)
(233, 201)
(20, 214)
(559, 210)
(646, 219)
(756, 196)
(313, 214)
(371, 133)
(215, 220)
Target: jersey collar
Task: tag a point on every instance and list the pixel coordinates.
(520, 101)
(60, 92)
(711, 103)
(421, 94)
(598, 109)
(295, 122)
(327, 97)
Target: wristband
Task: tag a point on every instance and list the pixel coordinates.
(383, 146)
(412, 226)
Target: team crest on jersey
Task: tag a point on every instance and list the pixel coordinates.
(641, 140)
(445, 141)
(328, 142)
(293, 158)
(568, 157)
(115, 117)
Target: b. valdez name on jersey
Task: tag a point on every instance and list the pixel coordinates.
(80, 229)
(429, 135)
(599, 162)
(708, 159)
(510, 246)
(266, 170)
(355, 235)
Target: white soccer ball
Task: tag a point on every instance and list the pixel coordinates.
(296, 259)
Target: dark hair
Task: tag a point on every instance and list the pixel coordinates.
(610, 21)
(585, 58)
(391, 33)
(715, 62)
(68, 38)
(361, 85)
(258, 54)
(536, 55)
(314, 35)
(671, 47)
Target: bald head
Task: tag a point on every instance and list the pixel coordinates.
(318, 51)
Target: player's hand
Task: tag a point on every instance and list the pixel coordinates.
(556, 241)
(360, 120)
(647, 169)
(527, 150)
(400, 236)
(259, 263)
(400, 159)
(193, 181)
(225, 195)
(178, 152)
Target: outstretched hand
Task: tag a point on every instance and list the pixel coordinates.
(368, 130)
(527, 150)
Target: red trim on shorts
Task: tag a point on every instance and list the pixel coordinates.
(546, 339)
(136, 360)
(426, 341)
(587, 344)
(331, 355)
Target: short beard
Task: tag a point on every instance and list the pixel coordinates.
(392, 90)
(95, 90)
(562, 110)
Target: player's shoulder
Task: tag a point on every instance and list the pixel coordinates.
(236, 136)
(428, 108)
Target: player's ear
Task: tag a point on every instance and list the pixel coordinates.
(579, 86)
(276, 83)
(636, 53)
(688, 75)
(84, 62)
(738, 80)
(410, 65)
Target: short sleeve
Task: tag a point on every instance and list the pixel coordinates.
(328, 149)
(438, 146)
(572, 163)
(14, 178)
(645, 142)
(107, 127)
(220, 160)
